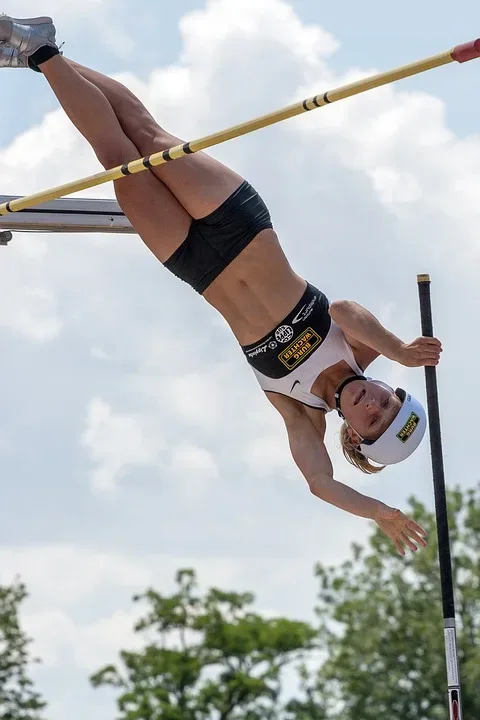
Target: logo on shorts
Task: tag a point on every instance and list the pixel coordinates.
(272, 345)
(409, 428)
(259, 349)
(284, 333)
(305, 311)
(300, 348)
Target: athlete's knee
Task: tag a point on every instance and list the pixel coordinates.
(111, 154)
(141, 126)
(165, 140)
(154, 139)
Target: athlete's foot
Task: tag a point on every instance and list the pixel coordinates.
(11, 58)
(27, 35)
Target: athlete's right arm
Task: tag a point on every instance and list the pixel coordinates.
(312, 459)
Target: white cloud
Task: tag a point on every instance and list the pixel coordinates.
(29, 308)
(269, 454)
(67, 583)
(188, 460)
(53, 632)
(98, 642)
(60, 640)
(196, 398)
(207, 33)
(68, 576)
(99, 354)
(117, 443)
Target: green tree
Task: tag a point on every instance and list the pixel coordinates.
(211, 658)
(382, 624)
(377, 654)
(18, 699)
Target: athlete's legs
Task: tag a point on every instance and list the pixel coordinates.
(153, 210)
(200, 182)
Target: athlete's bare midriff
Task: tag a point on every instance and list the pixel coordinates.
(257, 290)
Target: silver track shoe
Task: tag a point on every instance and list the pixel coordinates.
(29, 34)
(11, 58)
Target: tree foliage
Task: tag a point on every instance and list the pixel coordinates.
(18, 699)
(212, 658)
(376, 654)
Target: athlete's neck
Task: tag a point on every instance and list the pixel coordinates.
(326, 384)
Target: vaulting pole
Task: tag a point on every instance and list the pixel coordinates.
(461, 54)
(444, 554)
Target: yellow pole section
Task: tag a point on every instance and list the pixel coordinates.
(461, 53)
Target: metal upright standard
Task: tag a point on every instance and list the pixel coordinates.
(73, 215)
(446, 578)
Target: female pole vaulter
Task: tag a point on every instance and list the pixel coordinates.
(209, 227)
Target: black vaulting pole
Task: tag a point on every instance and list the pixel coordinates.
(446, 577)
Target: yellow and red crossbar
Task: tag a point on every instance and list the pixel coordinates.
(460, 53)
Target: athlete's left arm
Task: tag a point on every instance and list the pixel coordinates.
(362, 328)
(368, 336)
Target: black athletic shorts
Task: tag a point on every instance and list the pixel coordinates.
(215, 240)
(292, 341)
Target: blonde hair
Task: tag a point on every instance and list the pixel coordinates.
(354, 455)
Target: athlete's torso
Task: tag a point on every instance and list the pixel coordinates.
(289, 359)
(256, 293)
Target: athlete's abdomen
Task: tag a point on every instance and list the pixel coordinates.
(257, 289)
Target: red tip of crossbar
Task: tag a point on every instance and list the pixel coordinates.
(467, 51)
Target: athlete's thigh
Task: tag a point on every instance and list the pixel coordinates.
(200, 182)
(158, 217)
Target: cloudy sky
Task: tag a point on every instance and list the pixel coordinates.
(134, 440)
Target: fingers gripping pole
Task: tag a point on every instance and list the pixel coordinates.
(461, 53)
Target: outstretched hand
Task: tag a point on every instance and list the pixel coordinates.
(420, 352)
(399, 528)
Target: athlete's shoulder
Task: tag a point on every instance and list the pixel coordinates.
(363, 354)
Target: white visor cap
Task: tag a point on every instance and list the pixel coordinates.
(404, 434)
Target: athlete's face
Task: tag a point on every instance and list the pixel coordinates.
(368, 408)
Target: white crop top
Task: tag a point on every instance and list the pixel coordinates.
(298, 383)
(291, 357)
